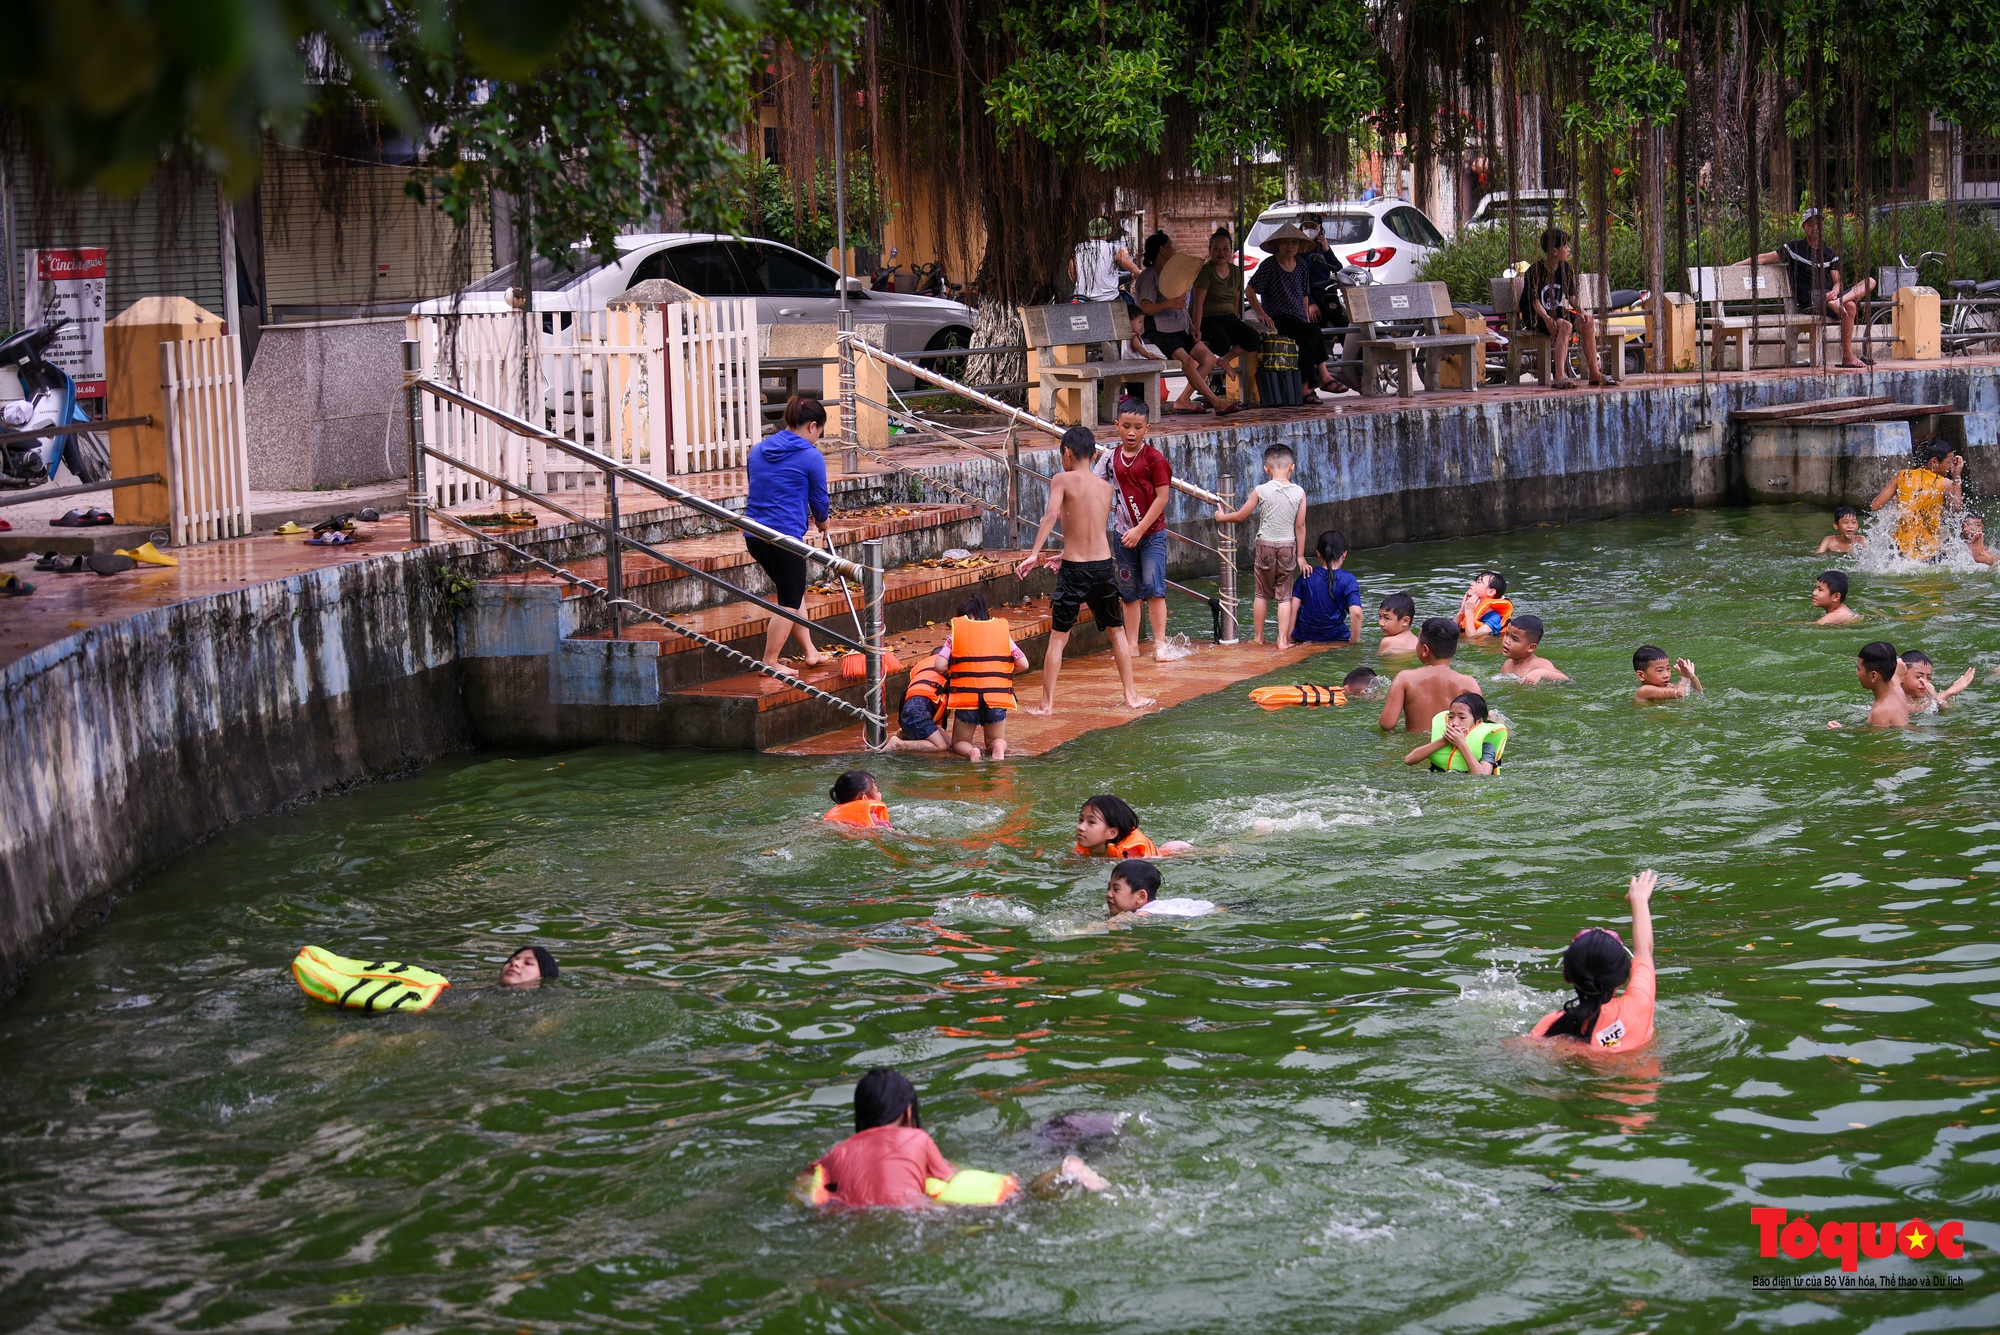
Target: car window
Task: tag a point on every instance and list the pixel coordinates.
(653, 266)
(1413, 227)
(1346, 229)
(544, 272)
(782, 272)
(707, 268)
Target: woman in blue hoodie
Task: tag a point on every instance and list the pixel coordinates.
(788, 482)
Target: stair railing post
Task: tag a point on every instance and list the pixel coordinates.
(1225, 544)
(850, 438)
(1014, 483)
(418, 488)
(614, 557)
(876, 731)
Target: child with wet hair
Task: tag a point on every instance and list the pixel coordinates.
(1656, 675)
(1597, 965)
(1879, 671)
(1484, 610)
(1463, 739)
(530, 966)
(1521, 648)
(857, 801)
(890, 1160)
(1973, 529)
(1135, 890)
(1396, 615)
(1914, 675)
(1846, 536)
(1361, 681)
(1107, 827)
(1830, 597)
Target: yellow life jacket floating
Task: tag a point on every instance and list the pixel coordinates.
(970, 1186)
(1283, 697)
(365, 985)
(1448, 758)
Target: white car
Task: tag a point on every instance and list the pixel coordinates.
(790, 287)
(1533, 210)
(1389, 239)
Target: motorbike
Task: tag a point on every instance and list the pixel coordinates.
(35, 395)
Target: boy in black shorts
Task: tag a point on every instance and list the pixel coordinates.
(1085, 575)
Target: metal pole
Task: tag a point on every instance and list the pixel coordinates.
(614, 557)
(1014, 480)
(875, 731)
(850, 457)
(1225, 545)
(419, 489)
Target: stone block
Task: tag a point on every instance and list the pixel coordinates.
(605, 672)
(512, 621)
(322, 404)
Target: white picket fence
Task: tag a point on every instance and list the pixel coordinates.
(208, 463)
(659, 388)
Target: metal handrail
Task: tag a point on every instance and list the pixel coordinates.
(605, 463)
(1018, 415)
(612, 534)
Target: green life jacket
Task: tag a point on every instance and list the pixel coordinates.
(1448, 758)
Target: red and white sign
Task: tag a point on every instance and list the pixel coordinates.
(69, 284)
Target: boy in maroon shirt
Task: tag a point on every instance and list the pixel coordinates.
(1144, 480)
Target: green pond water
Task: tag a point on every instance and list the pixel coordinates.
(1327, 1126)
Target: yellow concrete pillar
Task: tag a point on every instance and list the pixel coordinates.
(871, 381)
(1917, 321)
(132, 389)
(1678, 351)
(1458, 322)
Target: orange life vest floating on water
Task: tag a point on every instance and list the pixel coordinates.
(982, 664)
(927, 683)
(1133, 845)
(1500, 605)
(868, 813)
(1281, 697)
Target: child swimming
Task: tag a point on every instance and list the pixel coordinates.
(1396, 615)
(1656, 677)
(1914, 675)
(1419, 694)
(890, 1160)
(1830, 596)
(1521, 647)
(530, 966)
(1597, 965)
(1484, 610)
(1876, 668)
(1135, 890)
(1973, 529)
(1846, 536)
(1107, 827)
(1463, 740)
(857, 801)
(1361, 681)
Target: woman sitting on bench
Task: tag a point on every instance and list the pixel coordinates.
(1280, 293)
(1548, 295)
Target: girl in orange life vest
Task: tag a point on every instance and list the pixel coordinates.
(1597, 965)
(1485, 611)
(980, 659)
(922, 715)
(858, 802)
(1108, 827)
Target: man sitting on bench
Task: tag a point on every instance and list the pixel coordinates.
(1815, 271)
(1548, 293)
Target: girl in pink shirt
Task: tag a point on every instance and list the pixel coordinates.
(1597, 965)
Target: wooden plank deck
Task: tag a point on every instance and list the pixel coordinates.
(1088, 698)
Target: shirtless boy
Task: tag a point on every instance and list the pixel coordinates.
(1846, 535)
(1875, 668)
(1521, 648)
(1656, 675)
(1398, 611)
(1914, 676)
(1420, 694)
(1973, 529)
(1830, 597)
(1085, 577)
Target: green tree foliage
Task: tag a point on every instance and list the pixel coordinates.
(1630, 80)
(804, 217)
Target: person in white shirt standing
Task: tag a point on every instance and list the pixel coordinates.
(1280, 504)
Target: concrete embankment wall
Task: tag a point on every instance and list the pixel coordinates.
(1455, 465)
(129, 744)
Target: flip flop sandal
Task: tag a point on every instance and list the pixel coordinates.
(95, 519)
(52, 561)
(110, 563)
(13, 586)
(149, 555)
(332, 538)
(6, 527)
(74, 519)
(288, 528)
(369, 515)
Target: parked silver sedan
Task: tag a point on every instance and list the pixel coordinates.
(789, 286)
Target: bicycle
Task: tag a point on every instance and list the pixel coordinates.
(1972, 318)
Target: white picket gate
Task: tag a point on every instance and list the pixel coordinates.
(208, 462)
(670, 388)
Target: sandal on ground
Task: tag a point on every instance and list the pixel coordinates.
(52, 561)
(1861, 365)
(95, 518)
(110, 563)
(74, 519)
(13, 586)
(331, 538)
(1233, 408)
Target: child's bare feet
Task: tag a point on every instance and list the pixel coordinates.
(1133, 700)
(1043, 710)
(1286, 644)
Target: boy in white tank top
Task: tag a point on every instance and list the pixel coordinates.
(1280, 505)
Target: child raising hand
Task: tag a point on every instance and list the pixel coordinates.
(1597, 965)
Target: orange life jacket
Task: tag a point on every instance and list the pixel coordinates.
(982, 664)
(1133, 845)
(1500, 605)
(927, 683)
(866, 812)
